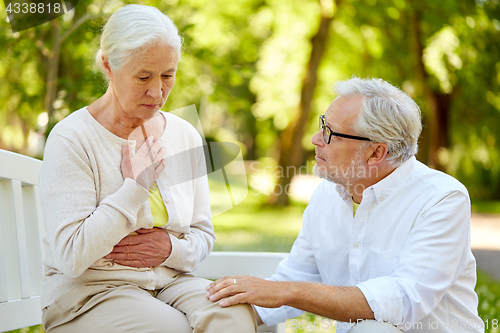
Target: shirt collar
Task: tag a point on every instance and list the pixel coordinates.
(389, 184)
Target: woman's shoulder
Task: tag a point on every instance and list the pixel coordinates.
(78, 130)
(72, 124)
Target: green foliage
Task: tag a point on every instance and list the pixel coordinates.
(488, 292)
(487, 207)
(244, 62)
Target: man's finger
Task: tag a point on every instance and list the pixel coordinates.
(225, 292)
(218, 284)
(219, 281)
(233, 300)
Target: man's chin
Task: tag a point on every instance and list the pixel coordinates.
(321, 172)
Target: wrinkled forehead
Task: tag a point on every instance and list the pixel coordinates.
(343, 112)
(158, 58)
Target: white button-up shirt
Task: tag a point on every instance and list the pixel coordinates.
(407, 249)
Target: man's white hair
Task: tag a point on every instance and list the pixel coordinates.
(388, 115)
(133, 28)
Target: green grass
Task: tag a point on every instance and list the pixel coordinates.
(488, 292)
(252, 226)
(486, 207)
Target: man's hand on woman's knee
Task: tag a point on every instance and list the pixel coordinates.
(247, 289)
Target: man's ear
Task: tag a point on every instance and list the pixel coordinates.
(379, 151)
(107, 68)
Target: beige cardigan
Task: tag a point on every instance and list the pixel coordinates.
(88, 207)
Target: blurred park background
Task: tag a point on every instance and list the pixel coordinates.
(260, 72)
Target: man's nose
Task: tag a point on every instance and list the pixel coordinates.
(317, 138)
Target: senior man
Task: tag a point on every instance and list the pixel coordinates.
(385, 244)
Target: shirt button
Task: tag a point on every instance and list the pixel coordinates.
(151, 285)
(356, 245)
(382, 199)
(167, 201)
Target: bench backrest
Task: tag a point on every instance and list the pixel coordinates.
(21, 234)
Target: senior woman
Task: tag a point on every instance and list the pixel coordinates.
(121, 234)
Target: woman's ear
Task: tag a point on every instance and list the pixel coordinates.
(107, 67)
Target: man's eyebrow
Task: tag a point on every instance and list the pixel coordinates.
(328, 124)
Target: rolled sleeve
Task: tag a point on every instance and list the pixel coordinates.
(272, 317)
(385, 299)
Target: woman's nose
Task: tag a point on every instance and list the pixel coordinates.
(155, 89)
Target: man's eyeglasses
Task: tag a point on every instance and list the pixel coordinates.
(328, 133)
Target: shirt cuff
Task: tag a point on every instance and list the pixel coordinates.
(385, 299)
(275, 316)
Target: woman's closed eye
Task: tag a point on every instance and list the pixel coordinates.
(166, 76)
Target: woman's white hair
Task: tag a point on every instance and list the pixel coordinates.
(388, 115)
(133, 28)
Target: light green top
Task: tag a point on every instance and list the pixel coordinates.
(354, 207)
(158, 209)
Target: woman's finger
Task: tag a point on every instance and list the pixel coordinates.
(145, 147)
(159, 169)
(131, 148)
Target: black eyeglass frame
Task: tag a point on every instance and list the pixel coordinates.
(323, 126)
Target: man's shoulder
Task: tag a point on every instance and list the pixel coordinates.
(436, 180)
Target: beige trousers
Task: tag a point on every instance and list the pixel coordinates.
(113, 307)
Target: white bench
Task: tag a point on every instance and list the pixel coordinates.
(22, 231)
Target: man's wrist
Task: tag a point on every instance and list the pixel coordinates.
(289, 292)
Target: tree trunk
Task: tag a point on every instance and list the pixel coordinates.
(291, 150)
(438, 104)
(52, 74)
(54, 58)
